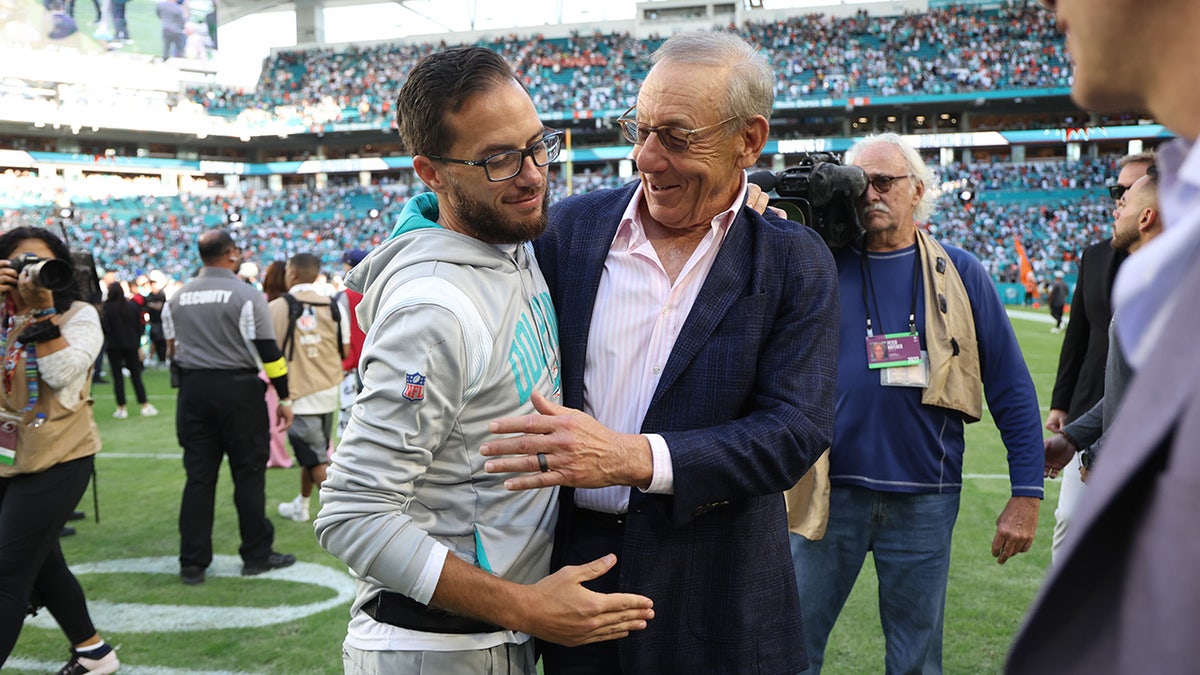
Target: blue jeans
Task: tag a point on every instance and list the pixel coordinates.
(909, 535)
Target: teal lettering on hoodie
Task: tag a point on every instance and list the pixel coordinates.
(534, 346)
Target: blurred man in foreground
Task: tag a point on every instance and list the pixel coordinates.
(1125, 596)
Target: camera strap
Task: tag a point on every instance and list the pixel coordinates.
(869, 287)
(12, 357)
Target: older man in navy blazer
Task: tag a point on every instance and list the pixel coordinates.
(698, 343)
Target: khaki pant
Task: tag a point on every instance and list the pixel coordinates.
(505, 659)
(808, 501)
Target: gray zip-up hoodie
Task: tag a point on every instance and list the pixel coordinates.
(458, 333)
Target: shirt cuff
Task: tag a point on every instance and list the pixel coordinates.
(430, 574)
(663, 480)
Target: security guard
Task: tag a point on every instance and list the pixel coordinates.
(218, 329)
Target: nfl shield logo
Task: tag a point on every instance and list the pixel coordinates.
(414, 386)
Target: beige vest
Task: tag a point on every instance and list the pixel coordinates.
(955, 379)
(315, 364)
(67, 434)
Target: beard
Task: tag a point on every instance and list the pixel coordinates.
(1123, 238)
(488, 224)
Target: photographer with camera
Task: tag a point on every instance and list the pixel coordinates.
(898, 431)
(48, 439)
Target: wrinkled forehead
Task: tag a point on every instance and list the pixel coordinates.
(683, 94)
(882, 158)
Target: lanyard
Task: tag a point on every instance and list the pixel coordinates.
(869, 283)
(13, 357)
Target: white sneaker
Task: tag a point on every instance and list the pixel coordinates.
(148, 410)
(121, 414)
(296, 510)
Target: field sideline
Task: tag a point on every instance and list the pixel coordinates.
(293, 621)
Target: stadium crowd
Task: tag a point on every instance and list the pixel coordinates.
(941, 51)
(1056, 209)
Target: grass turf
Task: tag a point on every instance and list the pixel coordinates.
(141, 479)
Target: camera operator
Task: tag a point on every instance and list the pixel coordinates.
(48, 439)
(898, 426)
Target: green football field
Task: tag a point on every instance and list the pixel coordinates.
(293, 621)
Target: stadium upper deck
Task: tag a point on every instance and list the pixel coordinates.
(942, 69)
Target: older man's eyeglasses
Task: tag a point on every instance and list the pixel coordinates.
(883, 183)
(674, 139)
(1117, 191)
(506, 165)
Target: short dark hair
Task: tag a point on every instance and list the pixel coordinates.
(213, 244)
(306, 265)
(11, 239)
(441, 83)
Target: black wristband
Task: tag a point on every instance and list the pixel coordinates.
(41, 331)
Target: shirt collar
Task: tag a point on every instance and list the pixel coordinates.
(214, 271)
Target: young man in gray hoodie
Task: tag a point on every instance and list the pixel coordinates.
(451, 566)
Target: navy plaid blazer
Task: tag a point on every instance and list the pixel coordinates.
(745, 404)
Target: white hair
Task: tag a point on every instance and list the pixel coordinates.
(920, 172)
(751, 82)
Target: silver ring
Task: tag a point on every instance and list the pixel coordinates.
(542, 462)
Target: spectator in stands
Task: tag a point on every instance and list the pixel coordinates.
(121, 319)
(938, 51)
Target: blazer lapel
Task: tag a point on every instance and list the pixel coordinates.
(579, 282)
(726, 282)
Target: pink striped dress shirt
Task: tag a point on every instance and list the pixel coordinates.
(636, 319)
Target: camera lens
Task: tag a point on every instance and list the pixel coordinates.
(52, 274)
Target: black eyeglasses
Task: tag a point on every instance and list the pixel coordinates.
(506, 165)
(882, 183)
(672, 138)
(1117, 191)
